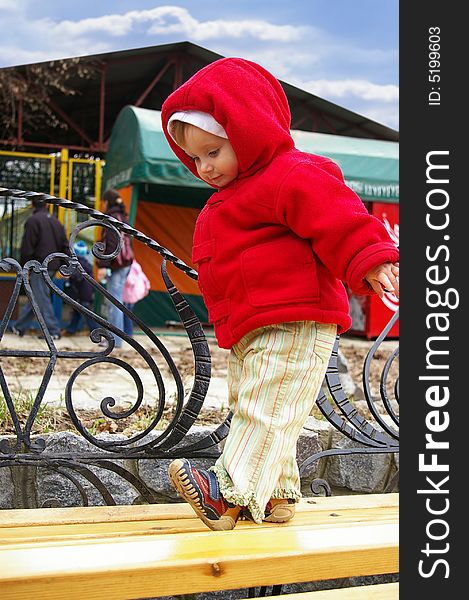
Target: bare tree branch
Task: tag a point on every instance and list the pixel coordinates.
(34, 85)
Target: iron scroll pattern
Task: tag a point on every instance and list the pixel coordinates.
(369, 438)
(82, 469)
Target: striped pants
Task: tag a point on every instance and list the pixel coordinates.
(274, 377)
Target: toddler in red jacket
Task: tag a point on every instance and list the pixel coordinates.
(273, 245)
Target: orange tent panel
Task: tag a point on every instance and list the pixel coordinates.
(172, 227)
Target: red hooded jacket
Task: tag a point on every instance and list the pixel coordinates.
(276, 243)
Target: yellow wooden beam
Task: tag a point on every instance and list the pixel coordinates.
(14, 154)
(158, 565)
(62, 181)
(103, 529)
(181, 510)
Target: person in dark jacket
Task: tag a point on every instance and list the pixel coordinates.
(81, 290)
(113, 205)
(43, 235)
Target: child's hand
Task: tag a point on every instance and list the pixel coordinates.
(384, 278)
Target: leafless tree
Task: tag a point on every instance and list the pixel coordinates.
(29, 88)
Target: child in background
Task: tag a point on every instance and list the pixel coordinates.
(116, 270)
(80, 290)
(273, 245)
(136, 287)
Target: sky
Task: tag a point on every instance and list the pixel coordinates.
(345, 51)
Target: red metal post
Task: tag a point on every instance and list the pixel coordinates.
(102, 106)
(177, 81)
(298, 122)
(71, 122)
(20, 122)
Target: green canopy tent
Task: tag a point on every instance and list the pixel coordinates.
(138, 154)
(370, 167)
(163, 198)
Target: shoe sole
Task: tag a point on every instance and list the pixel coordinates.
(187, 491)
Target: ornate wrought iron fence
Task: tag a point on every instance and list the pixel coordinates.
(24, 451)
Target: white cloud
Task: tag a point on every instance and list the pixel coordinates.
(12, 55)
(352, 87)
(261, 30)
(379, 103)
(116, 25)
(305, 56)
(170, 20)
(387, 115)
(9, 5)
(281, 64)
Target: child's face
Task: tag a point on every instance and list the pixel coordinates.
(213, 156)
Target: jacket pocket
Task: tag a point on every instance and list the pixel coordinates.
(202, 255)
(219, 312)
(203, 252)
(280, 272)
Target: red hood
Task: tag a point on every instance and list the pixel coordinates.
(247, 101)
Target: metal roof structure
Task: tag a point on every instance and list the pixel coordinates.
(144, 77)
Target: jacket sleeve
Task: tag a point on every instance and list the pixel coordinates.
(63, 240)
(29, 241)
(315, 203)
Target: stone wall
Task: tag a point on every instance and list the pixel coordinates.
(57, 486)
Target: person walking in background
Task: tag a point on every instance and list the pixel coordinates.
(273, 244)
(43, 235)
(81, 290)
(113, 205)
(137, 286)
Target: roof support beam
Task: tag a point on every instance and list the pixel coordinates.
(177, 81)
(20, 121)
(71, 122)
(154, 81)
(102, 104)
(298, 122)
(361, 126)
(325, 118)
(14, 142)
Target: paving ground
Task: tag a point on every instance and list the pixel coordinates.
(103, 379)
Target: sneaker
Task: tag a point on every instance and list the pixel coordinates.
(280, 512)
(66, 333)
(54, 336)
(201, 490)
(16, 331)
